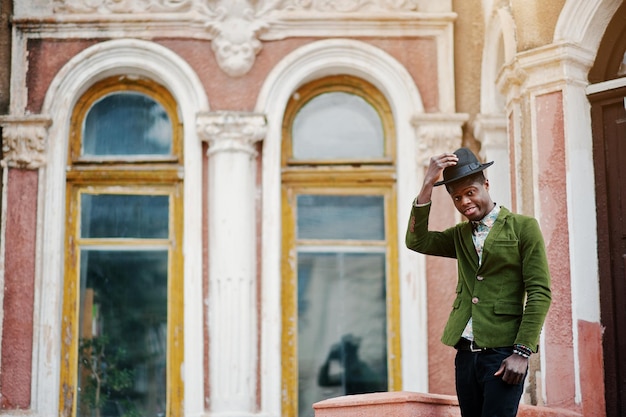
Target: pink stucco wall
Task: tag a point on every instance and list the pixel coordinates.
(45, 59)
(417, 55)
(552, 216)
(441, 282)
(389, 404)
(413, 404)
(19, 273)
(591, 368)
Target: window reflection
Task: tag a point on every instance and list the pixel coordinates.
(123, 283)
(123, 333)
(337, 125)
(357, 217)
(124, 216)
(127, 123)
(338, 181)
(342, 329)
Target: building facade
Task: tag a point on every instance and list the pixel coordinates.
(204, 201)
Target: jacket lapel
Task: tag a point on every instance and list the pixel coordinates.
(468, 244)
(494, 232)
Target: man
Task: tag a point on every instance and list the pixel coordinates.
(503, 289)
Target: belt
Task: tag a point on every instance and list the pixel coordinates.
(469, 345)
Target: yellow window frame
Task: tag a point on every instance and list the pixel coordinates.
(335, 84)
(122, 84)
(339, 178)
(158, 177)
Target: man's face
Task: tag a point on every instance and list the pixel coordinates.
(471, 198)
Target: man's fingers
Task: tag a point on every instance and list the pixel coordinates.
(511, 372)
(444, 160)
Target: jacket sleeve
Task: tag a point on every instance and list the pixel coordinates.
(420, 239)
(536, 276)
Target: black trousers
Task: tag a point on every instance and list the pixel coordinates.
(480, 393)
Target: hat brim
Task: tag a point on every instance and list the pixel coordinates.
(465, 171)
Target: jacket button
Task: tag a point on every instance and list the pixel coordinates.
(480, 278)
(475, 300)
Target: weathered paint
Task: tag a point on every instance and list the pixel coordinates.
(552, 216)
(19, 282)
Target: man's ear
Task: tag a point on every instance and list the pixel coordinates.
(486, 184)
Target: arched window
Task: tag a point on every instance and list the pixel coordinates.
(122, 344)
(340, 285)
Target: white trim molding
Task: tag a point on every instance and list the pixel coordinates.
(236, 28)
(117, 57)
(316, 60)
(583, 22)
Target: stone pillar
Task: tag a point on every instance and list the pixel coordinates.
(491, 131)
(550, 123)
(438, 133)
(23, 146)
(232, 225)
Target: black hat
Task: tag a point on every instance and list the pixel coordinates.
(467, 165)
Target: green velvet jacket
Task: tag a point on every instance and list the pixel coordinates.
(508, 296)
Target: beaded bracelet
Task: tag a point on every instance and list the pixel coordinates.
(522, 350)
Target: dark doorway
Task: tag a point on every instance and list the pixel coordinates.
(608, 117)
(609, 135)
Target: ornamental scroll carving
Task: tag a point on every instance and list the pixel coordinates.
(344, 6)
(24, 141)
(234, 25)
(231, 131)
(122, 6)
(438, 133)
(262, 6)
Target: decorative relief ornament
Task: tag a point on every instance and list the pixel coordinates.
(511, 79)
(24, 141)
(344, 6)
(160, 6)
(229, 131)
(438, 133)
(121, 6)
(235, 26)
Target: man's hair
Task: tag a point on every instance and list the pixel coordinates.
(476, 178)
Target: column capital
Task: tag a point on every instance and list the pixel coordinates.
(544, 69)
(490, 130)
(438, 133)
(24, 140)
(231, 131)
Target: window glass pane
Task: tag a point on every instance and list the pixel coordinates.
(342, 332)
(124, 216)
(341, 217)
(127, 123)
(337, 125)
(123, 333)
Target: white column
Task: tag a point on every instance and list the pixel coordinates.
(491, 131)
(435, 133)
(232, 310)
